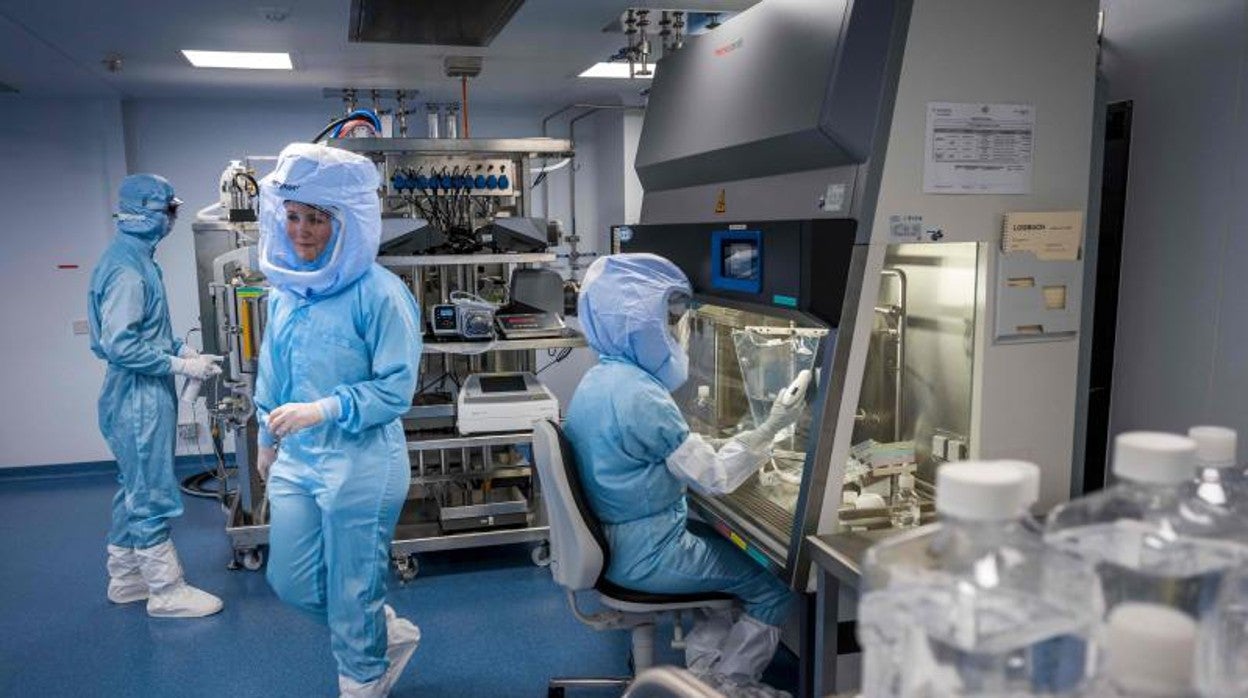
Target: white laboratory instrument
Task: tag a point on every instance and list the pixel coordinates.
(491, 402)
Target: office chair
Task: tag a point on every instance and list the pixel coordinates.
(579, 556)
(669, 682)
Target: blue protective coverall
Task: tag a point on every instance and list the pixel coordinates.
(130, 329)
(341, 327)
(623, 425)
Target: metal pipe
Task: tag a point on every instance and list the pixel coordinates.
(546, 121)
(899, 380)
(572, 260)
(463, 83)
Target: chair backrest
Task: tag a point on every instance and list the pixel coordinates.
(578, 547)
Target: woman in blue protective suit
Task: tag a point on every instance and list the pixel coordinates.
(338, 367)
(130, 329)
(636, 455)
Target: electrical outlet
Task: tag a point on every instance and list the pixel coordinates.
(188, 431)
(81, 327)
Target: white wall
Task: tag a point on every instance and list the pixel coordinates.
(63, 161)
(73, 155)
(607, 193)
(1180, 346)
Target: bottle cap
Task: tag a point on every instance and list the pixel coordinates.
(1031, 473)
(1150, 649)
(981, 491)
(1215, 446)
(1154, 457)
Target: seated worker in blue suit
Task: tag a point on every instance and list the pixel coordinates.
(636, 455)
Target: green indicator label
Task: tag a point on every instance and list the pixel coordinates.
(758, 557)
(786, 301)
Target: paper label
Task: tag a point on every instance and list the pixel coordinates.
(905, 227)
(1049, 235)
(975, 148)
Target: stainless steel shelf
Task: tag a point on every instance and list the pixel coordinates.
(436, 260)
(505, 345)
(251, 536)
(524, 146)
(497, 472)
(474, 539)
(452, 442)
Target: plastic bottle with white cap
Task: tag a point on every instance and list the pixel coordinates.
(1151, 538)
(1221, 480)
(1149, 653)
(903, 506)
(977, 604)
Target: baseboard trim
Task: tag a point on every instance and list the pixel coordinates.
(182, 465)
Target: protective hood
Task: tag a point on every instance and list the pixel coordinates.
(623, 312)
(341, 183)
(143, 205)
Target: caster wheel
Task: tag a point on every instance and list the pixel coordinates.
(253, 559)
(407, 568)
(541, 554)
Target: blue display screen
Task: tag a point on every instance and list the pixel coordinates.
(737, 260)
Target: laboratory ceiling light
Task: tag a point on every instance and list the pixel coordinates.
(238, 59)
(612, 70)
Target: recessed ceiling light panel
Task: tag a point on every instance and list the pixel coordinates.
(613, 70)
(241, 60)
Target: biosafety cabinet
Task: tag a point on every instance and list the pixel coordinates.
(834, 176)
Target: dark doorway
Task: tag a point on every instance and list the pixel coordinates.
(1108, 272)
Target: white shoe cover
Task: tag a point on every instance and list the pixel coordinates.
(125, 582)
(748, 649)
(170, 595)
(706, 638)
(402, 637)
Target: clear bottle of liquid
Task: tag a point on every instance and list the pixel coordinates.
(1150, 537)
(903, 509)
(1153, 540)
(1148, 653)
(977, 605)
(432, 120)
(1221, 481)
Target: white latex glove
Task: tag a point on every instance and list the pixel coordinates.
(790, 402)
(784, 411)
(295, 416)
(265, 455)
(187, 351)
(202, 366)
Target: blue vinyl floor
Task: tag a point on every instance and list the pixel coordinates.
(493, 624)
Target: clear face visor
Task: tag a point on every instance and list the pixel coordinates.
(680, 318)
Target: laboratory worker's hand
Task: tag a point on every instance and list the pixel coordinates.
(187, 351)
(789, 403)
(295, 416)
(200, 367)
(265, 455)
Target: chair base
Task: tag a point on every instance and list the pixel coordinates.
(555, 688)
